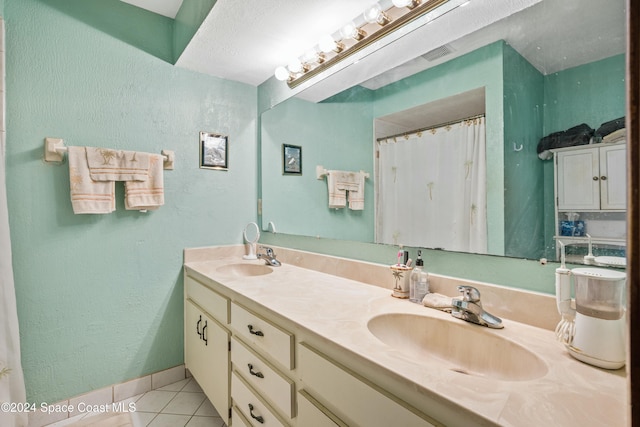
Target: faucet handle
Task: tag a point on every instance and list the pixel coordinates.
(469, 293)
(268, 251)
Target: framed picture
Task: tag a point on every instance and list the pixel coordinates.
(291, 159)
(214, 153)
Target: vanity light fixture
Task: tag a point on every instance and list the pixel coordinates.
(375, 23)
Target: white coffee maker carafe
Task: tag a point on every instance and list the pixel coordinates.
(593, 331)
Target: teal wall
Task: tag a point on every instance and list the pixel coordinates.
(593, 93)
(336, 134)
(100, 296)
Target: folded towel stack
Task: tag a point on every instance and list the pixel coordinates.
(93, 172)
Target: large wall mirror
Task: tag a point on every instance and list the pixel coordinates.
(545, 69)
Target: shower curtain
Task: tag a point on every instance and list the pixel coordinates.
(12, 389)
(431, 188)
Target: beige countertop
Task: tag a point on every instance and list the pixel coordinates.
(338, 309)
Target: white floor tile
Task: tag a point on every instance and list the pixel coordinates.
(142, 419)
(207, 410)
(170, 420)
(205, 422)
(184, 403)
(154, 401)
(192, 385)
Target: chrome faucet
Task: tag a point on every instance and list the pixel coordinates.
(269, 257)
(469, 308)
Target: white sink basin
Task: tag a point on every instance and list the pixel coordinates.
(244, 270)
(458, 346)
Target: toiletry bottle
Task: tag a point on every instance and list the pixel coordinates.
(414, 280)
(422, 286)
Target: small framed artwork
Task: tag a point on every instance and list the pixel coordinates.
(213, 151)
(291, 159)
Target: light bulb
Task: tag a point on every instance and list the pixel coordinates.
(282, 73)
(310, 56)
(406, 3)
(328, 44)
(374, 15)
(295, 66)
(350, 31)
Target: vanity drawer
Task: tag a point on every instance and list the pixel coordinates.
(260, 333)
(263, 377)
(352, 397)
(215, 304)
(254, 409)
(238, 418)
(312, 413)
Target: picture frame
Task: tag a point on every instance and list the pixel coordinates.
(214, 151)
(291, 159)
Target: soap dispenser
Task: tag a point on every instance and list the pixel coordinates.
(419, 282)
(414, 280)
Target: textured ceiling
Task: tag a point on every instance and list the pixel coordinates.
(246, 40)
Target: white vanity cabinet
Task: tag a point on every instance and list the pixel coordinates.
(206, 343)
(591, 178)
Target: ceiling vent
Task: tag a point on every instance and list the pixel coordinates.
(438, 52)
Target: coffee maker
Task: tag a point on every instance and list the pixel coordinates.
(594, 330)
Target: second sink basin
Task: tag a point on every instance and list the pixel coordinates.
(458, 346)
(244, 270)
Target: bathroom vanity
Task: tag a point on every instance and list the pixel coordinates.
(319, 341)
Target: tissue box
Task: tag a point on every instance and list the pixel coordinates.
(572, 228)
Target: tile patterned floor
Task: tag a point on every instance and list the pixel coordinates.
(181, 404)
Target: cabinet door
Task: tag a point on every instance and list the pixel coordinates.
(578, 180)
(207, 357)
(613, 177)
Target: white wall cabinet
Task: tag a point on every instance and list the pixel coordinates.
(592, 178)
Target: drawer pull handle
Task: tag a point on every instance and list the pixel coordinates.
(603, 178)
(258, 418)
(255, 374)
(257, 333)
(198, 326)
(204, 336)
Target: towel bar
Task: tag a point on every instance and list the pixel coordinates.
(321, 172)
(54, 150)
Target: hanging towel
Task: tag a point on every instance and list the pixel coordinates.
(356, 191)
(353, 182)
(337, 197)
(117, 165)
(148, 194)
(88, 196)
